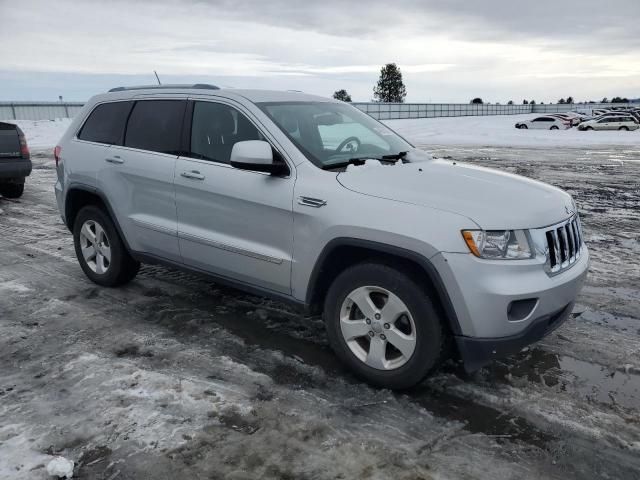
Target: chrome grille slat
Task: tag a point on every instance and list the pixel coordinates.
(564, 244)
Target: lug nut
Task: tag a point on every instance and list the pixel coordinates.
(383, 336)
(387, 326)
(371, 334)
(377, 316)
(368, 320)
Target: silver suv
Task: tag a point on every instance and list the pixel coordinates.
(312, 202)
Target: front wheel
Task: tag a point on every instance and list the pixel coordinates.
(624, 128)
(554, 127)
(100, 250)
(383, 325)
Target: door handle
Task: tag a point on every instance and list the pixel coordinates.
(114, 159)
(193, 174)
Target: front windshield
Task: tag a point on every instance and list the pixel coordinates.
(333, 133)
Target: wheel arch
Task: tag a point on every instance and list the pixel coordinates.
(79, 196)
(341, 253)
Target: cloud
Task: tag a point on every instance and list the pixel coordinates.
(447, 49)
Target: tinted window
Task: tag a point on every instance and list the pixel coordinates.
(106, 123)
(156, 125)
(216, 128)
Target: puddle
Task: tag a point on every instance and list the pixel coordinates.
(589, 381)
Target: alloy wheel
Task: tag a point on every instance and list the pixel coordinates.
(95, 247)
(378, 327)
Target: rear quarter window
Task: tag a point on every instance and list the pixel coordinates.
(156, 125)
(106, 123)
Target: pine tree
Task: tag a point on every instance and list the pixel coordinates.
(477, 101)
(390, 87)
(342, 95)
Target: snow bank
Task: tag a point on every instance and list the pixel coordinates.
(500, 131)
(43, 134)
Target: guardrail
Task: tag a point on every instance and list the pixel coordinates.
(378, 110)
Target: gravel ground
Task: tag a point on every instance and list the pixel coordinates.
(173, 376)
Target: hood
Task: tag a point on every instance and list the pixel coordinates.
(492, 199)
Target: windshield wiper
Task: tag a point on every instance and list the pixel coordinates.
(361, 160)
(351, 161)
(395, 156)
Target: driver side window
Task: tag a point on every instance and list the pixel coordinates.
(215, 129)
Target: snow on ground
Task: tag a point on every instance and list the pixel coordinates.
(499, 130)
(42, 134)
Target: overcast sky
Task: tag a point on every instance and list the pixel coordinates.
(448, 50)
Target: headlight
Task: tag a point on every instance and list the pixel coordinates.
(498, 244)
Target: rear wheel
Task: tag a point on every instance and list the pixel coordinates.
(12, 190)
(554, 127)
(383, 325)
(100, 250)
(624, 128)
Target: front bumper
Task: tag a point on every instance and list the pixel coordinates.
(483, 293)
(477, 352)
(14, 168)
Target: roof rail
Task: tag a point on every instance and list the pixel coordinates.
(197, 86)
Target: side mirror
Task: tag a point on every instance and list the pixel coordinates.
(256, 155)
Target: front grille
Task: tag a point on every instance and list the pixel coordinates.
(564, 244)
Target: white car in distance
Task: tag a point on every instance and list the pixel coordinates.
(545, 123)
(611, 122)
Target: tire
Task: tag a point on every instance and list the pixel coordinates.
(12, 190)
(624, 128)
(589, 128)
(554, 127)
(524, 127)
(420, 328)
(112, 270)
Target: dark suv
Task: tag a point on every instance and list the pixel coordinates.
(15, 161)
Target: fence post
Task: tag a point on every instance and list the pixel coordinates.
(13, 111)
(66, 110)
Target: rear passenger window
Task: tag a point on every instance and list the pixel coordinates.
(216, 128)
(106, 123)
(156, 125)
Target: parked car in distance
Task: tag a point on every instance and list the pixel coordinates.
(617, 121)
(546, 123)
(15, 161)
(410, 260)
(572, 119)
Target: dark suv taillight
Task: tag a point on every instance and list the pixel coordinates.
(24, 148)
(56, 154)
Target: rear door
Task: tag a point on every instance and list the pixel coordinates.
(234, 223)
(137, 176)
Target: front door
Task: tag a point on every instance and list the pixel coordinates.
(233, 223)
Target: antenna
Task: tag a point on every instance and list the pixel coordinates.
(157, 78)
